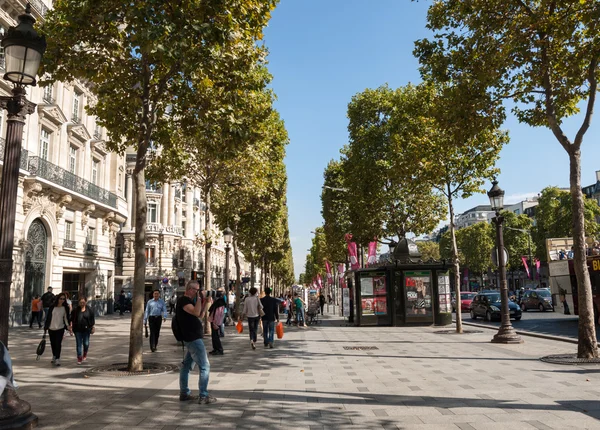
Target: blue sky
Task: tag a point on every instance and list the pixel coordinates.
(322, 52)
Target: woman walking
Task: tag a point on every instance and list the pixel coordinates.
(216, 313)
(252, 309)
(56, 322)
(83, 324)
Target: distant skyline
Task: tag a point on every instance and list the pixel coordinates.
(324, 52)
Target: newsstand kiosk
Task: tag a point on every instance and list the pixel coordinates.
(408, 292)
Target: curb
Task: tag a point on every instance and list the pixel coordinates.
(525, 333)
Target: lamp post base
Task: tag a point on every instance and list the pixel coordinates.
(507, 335)
(15, 413)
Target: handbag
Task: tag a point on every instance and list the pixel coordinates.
(239, 327)
(279, 330)
(261, 312)
(41, 347)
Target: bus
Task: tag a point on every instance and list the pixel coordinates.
(593, 263)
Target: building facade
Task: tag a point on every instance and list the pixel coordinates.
(472, 216)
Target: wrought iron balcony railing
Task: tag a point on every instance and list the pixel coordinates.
(75, 119)
(47, 98)
(44, 169)
(24, 155)
(39, 6)
(90, 248)
(70, 244)
(98, 135)
(151, 262)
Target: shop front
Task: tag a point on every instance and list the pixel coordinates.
(402, 294)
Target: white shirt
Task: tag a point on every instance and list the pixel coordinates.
(59, 318)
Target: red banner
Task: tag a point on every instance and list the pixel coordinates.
(352, 252)
(319, 281)
(329, 274)
(537, 269)
(372, 256)
(524, 259)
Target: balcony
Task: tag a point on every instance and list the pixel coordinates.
(59, 176)
(48, 99)
(39, 6)
(70, 244)
(91, 249)
(151, 262)
(24, 155)
(98, 135)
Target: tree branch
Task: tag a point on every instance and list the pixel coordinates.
(590, 105)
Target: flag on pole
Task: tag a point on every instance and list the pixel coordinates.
(524, 260)
(319, 281)
(372, 256)
(329, 274)
(352, 252)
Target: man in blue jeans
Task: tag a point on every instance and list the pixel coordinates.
(191, 307)
(271, 316)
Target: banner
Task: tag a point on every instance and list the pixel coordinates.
(329, 274)
(372, 256)
(352, 252)
(524, 259)
(341, 270)
(319, 281)
(537, 269)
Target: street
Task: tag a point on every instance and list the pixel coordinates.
(315, 378)
(550, 323)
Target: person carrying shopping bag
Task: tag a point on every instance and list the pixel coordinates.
(253, 310)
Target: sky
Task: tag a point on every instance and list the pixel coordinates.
(322, 52)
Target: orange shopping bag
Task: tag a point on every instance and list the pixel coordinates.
(239, 327)
(279, 330)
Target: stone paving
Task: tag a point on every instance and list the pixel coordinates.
(416, 379)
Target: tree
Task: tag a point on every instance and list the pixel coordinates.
(381, 203)
(517, 240)
(476, 243)
(335, 211)
(543, 56)
(429, 250)
(143, 60)
(553, 215)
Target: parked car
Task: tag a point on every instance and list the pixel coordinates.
(537, 299)
(465, 301)
(488, 306)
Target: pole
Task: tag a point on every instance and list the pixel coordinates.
(226, 276)
(506, 332)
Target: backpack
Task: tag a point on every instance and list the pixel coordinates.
(176, 329)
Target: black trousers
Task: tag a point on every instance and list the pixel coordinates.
(155, 323)
(35, 316)
(216, 339)
(56, 338)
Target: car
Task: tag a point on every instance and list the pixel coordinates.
(537, 299)
(488, 306)
(466, 297)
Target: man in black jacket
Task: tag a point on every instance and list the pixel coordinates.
(47, 301)
(271, 316)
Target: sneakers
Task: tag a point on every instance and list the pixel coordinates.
(187, 397)
(57, 362)
(252, 345)
(84, 356)
(53, 360)
(271, 345)
(80, 360)
(206, 400)
(215, 352)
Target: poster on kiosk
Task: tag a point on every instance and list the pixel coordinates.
(345, 302)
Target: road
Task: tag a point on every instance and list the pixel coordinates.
(552, 323)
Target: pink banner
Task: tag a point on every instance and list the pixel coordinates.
(329, 274)
(372, 256)
(352, 252)
(319, 281)
(537, 269)
(524, 260)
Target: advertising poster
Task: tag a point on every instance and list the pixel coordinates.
(368, 306)
(380, 305)
(379, 288)
(345, 302)
(366, 286)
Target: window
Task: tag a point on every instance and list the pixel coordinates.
(98, 132)
(149, 255)
(120, 182)
(91, 236)
(68, 230)
(48, 94)
(183, 226)
(2, 32)
(44, 144)
(95, 165)
(76, 106)
(152, 212)
(72, 159)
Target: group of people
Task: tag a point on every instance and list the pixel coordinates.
(60, 317)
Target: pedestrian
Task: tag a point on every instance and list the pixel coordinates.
(271, 309)
(68, 301)
(252, 310)
(321, 302)
(47, 301)
(36, 311)
(83, 323)
(172, 303)
(289, 305)
(216, 314)
(56, 322)
(191, 308)
(122, 302)
(231, 304)
(299, 305)
(155, 315)
(221, 293)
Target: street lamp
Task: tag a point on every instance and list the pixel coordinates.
(506, 332)
(23, 50)
(227, 238)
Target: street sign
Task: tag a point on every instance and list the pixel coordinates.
(495, 256)
(165, 280)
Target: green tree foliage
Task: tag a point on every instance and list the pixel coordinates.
(517, 241)
(429, 250)
(146, 62)
(553, 215)
(335, 211)
(383, 204)
(476, 243)
(315, 260)
(543, 56)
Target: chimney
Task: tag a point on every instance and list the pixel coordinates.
(597, 175)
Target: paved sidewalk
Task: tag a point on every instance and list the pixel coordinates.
(416, 379)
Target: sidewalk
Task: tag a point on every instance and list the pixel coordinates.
(416, 379)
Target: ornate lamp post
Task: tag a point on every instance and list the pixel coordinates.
(227, 238)
(506, 332)
(23, 50)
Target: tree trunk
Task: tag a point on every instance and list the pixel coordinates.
(136, 340)
(207, 254)
(238, 281)
(459, 328)
(252, 274)
(586, 347)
